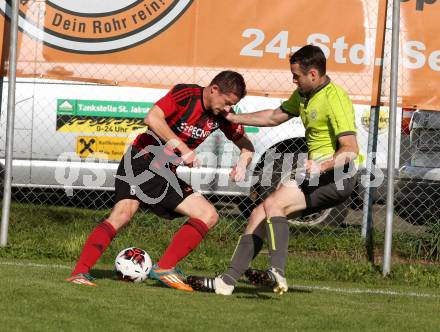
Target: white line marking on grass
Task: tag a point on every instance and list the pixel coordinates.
(363, 291)
(295, 286)
(51, 266)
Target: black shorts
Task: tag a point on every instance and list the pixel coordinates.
(158, 189)
(333, 188)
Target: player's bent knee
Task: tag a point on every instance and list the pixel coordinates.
(118, 219)
(212, 218)
(118, 223)
(209, 216)
(269, 203)
(253, 223)
(257, 213)
(253, 215)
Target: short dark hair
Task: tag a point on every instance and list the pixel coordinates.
(230, 82)
(310, 56)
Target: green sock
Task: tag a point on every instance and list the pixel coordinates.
(277, 231)
(247, 249)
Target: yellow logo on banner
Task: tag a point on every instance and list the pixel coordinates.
(110, 148)
(383, 120)
(104, 125)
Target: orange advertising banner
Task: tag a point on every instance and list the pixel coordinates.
(420, 54)
(158, 43)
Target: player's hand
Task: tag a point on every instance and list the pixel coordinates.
(238, 173)
(227, 109)
(190, 159)
(228, 114)
(312, 167)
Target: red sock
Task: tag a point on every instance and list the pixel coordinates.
(185, 240)
(95, 245)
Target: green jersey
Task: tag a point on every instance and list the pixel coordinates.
(327, 114)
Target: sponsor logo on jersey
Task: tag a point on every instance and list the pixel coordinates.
(193, 131)
(212, 124)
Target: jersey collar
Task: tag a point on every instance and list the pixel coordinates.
(308, 96)
(317, 89)
(201, 99)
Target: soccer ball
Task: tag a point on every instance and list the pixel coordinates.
(133, 264)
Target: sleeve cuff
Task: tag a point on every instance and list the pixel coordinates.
(345, 133)
(286, 111)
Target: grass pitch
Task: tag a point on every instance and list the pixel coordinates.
(333, 287)
(35, 298)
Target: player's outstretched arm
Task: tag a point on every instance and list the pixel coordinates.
(238, 172)
(265, 118)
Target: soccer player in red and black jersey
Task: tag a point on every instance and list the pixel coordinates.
(177, 124)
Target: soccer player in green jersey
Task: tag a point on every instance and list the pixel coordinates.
(328, 117)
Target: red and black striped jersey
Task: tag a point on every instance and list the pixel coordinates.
(188, 119)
